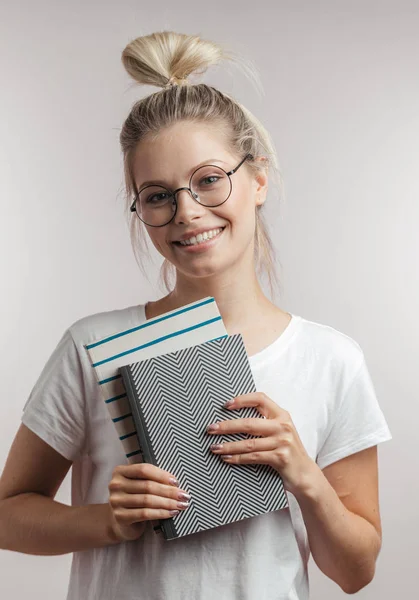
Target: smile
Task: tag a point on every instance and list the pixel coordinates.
(201, 238)
(202, 241)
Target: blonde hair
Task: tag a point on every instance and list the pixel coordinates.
(166, 59)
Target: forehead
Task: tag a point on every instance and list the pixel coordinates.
(176, 150)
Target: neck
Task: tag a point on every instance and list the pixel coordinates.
(238, 298)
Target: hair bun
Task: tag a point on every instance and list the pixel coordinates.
(167, 58)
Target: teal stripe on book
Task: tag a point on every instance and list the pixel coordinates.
(124, 437)
(149, 323)
(109, 379)
(133, 453)
(115, 398)
(121, 418)
(219, 338)
(157, 341)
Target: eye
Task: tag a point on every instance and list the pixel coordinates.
(211, 179)
(157, 198)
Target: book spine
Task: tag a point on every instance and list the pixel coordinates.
(165, 525)
(140, 425)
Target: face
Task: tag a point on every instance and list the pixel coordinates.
(170, 160)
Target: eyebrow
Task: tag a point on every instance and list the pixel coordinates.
(202, 164)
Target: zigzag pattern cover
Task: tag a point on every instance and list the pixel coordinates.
(173, 398)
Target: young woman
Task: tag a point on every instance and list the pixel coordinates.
(323, 421)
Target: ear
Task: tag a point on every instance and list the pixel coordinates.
(261, 180)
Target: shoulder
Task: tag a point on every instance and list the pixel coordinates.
(96, 326)
(331, 347)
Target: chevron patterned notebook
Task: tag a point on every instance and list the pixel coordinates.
(173, 398)
(192, 324)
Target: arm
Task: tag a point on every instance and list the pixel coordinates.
(339, 504)
(340, 508)
(31, 521)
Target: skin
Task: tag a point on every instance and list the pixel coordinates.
(339, 504)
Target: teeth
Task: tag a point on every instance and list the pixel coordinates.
(201, 237)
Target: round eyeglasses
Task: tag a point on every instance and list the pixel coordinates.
(209, 185)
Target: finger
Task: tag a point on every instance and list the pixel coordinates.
(146, 471)
(264, 427)
(129, 516)
(139, 501)
(257, 458)
(245, 446)
(259, 400)
(145, 486)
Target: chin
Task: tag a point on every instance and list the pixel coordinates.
(212, 268)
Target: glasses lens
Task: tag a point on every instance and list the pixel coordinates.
(155, 205)
(211, 185)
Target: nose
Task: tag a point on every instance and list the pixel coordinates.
(187, 208)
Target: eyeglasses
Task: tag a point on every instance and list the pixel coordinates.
(209, 185)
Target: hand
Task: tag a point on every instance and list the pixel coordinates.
(279, 444)
(142, 492)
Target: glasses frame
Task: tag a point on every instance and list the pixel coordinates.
(173, 194)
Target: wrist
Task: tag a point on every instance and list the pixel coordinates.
(112, 530)
(311, 484)
(117, 533)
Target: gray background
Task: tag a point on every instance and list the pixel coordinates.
(341, 102)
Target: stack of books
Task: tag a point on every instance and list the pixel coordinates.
(164, 382)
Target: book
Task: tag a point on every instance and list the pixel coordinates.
(194, 323)
(173, 398)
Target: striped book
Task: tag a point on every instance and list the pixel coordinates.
(173, 398)
(189, 325)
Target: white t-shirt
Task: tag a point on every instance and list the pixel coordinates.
(312, 370)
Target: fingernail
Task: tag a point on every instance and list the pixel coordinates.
(174, 512)
(213, 427)
(228, 403)
(174, 481)
(216, 447)
(184, 496)
(183, 504)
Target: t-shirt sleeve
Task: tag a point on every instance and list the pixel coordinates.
(359, 422)
(55, 409)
